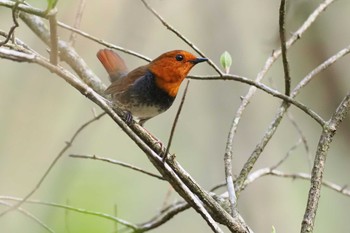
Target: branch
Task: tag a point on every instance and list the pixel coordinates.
(319, 164)
(66, 53)
(53, 37)
(71, 208)
(175, 121)
(182, 37)
(102, 42)
(246, 99)
(94, 157)
(138, 134)
(282, 16)
(77, 21)
(279, 115)
(263, 87)
(25, 8)
(303, 176)
(54, 162)
(164, 216)
(29, 215)
(234, 223)
(15, 22)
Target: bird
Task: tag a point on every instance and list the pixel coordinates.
(148, 90)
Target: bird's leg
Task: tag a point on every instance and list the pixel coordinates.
(128, 117)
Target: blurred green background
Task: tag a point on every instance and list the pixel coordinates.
(40, 112)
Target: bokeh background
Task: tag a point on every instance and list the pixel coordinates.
(39, 112)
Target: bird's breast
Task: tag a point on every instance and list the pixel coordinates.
(144, 99)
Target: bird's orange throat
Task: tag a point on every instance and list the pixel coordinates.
(169, 77)
(171, 88)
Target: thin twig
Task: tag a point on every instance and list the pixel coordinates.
(282, 16)
(66, 218)
(25, 8)
(265, 88)
(303, 176)
(74, 209)
(77, 21)
(102, 42)
(175, 121)
(181, 36)
(164, 216)
(15, 22)
(53, 37)
(289, 152)
(31, 216)
(66, 53)
(94, 157)
(116, 214)
(302, 138)
(319, 164)
(53, 163)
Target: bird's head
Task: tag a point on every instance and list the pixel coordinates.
(171, 68)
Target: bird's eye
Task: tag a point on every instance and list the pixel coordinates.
(179, 57)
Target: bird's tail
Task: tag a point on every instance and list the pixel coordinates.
(113, 63)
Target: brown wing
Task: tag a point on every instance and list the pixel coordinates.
(123, 84)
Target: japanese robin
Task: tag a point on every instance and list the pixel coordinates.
(148, 90)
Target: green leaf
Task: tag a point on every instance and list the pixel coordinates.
(273, 229)
(226, 61)
(51, 4)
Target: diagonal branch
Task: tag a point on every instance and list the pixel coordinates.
(66, 53)
(182, 37)
(53, 163)
(319, 164)
(138, 134)
(175, 121)
(94, 157)
(29, 215)
(102, 42)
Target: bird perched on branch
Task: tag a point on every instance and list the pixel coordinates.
(147, 90)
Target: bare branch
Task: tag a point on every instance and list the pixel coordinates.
(94, 157)
(71, 208)
(77, 21)
(235, 224)
(319, 164)
(25, 8)
(60, 154)
(164, 216)
(269, 62)
(175, 121)
(138, 134)
(66, 53)
(29, 215)
(303, 176)
(282, 16)
(53, 37)
(102, 42)
(15, 22)
(279, 115)
(182, 37)
(263, 87)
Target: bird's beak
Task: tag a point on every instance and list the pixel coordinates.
(198, 60)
